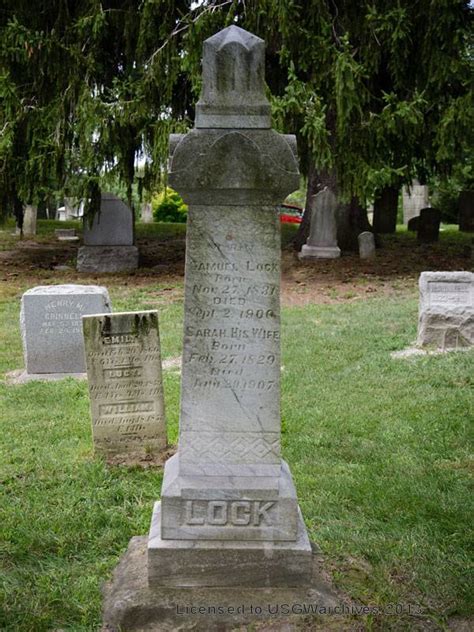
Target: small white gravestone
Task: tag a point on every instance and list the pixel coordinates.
(109, 241)
(51, 326)
(322, 240)
(366, 245)
(66, 234)
(147, 213)
(125, 383)
(446, 317)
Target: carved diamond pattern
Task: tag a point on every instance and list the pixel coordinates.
(218, 449)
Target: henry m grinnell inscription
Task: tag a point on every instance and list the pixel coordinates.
(125, 383)
(52, 329)
(449, 293)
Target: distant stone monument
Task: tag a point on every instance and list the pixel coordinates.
(414, 198)
(229, 515)
(322, 240)
(125, 384)
(51, 327)
(428, 225)
(29, 220)
(109, 241)
(66, 234)
(446, 317)
(147, 213)
(366, 245)
(466, 211)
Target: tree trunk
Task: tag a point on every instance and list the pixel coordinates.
(385, 210)
(352, 220)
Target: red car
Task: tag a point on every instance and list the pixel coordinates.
(290, 214)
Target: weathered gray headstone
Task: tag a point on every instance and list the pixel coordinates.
(322, 240)
(466, 211)
(415, 198)
(125, 384)
(366, 245)
(147, 213)
(108, 242)
(29, 220)
(428, 225)
(229, 515)
(446, 317)
(51, 326)
(228, 483)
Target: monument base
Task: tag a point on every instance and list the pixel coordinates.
(131, 605)
(226, 563)
(20, 376)
(319, 252)
(107, 259)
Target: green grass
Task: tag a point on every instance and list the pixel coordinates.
(380, 450)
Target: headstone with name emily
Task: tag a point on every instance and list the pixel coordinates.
(51, 326)
(446, 317)
(125, 384)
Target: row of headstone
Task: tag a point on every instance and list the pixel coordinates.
(67, 329)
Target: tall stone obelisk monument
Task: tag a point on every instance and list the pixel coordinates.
(229, 515)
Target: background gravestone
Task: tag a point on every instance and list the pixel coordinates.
(413, 224)
(30, 220)
(123, 360)
(51, 326)
(322, 240)
(466, 211)
(414, 198)
(428, 225)
(147, 213)
(446, 316)
(366, 245)
(108, 242)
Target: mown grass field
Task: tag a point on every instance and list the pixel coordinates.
(380, 450)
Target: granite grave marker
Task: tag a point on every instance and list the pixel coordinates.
(322, 240)
(125, 383)
(109, 241)
(51, 326)
(428, 225)
(446, 315)
(366, 245)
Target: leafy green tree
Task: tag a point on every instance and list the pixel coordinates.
(377, 92)
(168, 206)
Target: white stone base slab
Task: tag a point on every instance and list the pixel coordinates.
(20, 376)
(319, 252)
(107, 259)
(131, 604)
(226, 563)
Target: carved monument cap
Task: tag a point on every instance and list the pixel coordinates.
(233, 84)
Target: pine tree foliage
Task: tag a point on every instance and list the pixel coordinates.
(377, 92)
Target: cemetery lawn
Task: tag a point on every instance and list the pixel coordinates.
(380, 448)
